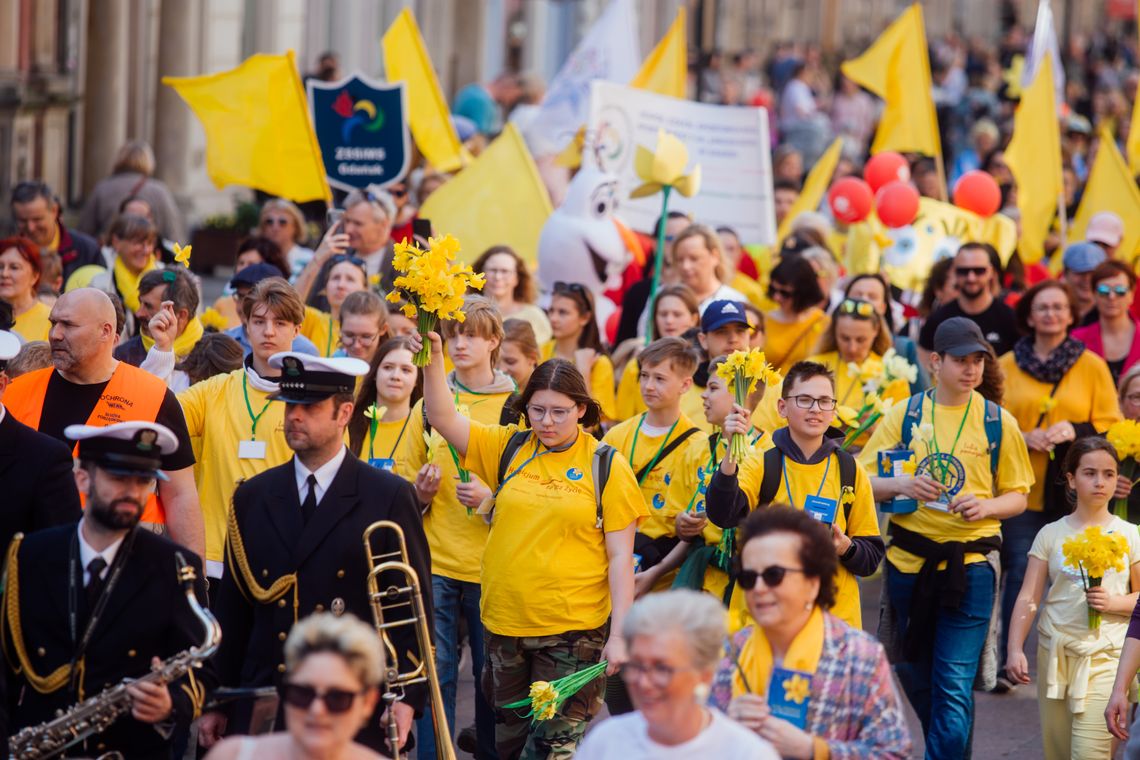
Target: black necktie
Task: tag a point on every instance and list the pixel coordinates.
(95, 583)
(309, 505)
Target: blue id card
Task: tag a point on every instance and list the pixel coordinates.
(636, 563)
(890, 466)
(383, 464)
(821, 509)
(789, 696)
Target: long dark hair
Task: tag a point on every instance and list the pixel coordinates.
(590, 337)
(365, 397)
(562, 377)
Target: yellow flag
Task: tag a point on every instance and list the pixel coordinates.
(1133, 144)
(499, 199)
(665, 71)
(406, 60)
(1034, 157)
(258, 131)
(897, 68)
(816, 184)
(1110, 188)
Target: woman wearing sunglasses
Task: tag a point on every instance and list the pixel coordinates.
(800, 677)
(347, 274)
(283, 223)
(794, 326)
(334, 667)
(1114, 337)
(577, 339)
(557, 569)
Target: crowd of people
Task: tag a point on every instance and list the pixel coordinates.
(571, 493)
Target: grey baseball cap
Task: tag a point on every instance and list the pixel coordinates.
(959, 336)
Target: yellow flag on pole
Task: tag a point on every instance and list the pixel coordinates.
(1034, 158)
(897, 68)
(406, 60)
(665, 70)
(1110, 188)
(1133, 145)
(815, 185)
(258, 131)
(499, 199)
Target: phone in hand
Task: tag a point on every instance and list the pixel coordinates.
(333, 217)
(421, 228)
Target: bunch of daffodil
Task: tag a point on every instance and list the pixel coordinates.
(896, 367)
(1125, 438)
(742, 372)
(858, 421)
(433, 284)
(546, 697)
(661, 171)
(1094, 552)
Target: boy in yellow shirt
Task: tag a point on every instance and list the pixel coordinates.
(652, 443)
(724, 328)
(808, 470)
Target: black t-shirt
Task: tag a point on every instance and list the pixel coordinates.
(66, 403)
(998, 324)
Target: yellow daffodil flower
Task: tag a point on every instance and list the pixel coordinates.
(1047, 404)
(182, 254)
(847, 415)
(797, 689)
(375, 412)
(664, 166)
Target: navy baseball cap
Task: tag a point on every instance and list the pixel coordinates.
(255, 273)
(720, 313)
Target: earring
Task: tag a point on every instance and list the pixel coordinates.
(701, 693)
(808, 606)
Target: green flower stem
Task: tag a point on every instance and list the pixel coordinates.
(1094, 615)
(1128, 470)
(426, 321)
(464, 475)
(565, 687)
(658, 262)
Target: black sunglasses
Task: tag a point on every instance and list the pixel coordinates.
(776, 290)
(773, 576)
(576, 289)
(342, 258)
(966, 271)
(302, 697)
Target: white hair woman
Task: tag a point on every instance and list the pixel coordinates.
(675, 641)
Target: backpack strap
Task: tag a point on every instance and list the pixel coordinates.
(992, 424)
(673, 444)
(603, 459)
(912, 417)
(846, 478)
(508, 415)
(773, 466)
(517, 440)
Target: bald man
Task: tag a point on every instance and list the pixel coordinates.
(88, 386)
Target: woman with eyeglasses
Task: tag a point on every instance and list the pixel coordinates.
(1115, 336)
(557, 570)
(334, 667)
(793, 328)
(1059, 392)
(675, 640)
(574, 324)
(511, 287)
(801, 678)
(347, 274)
(283, 223)
(363, 325)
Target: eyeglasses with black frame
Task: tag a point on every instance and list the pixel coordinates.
(302, 696)
(773, 576)
(825, 403)
(658, 673)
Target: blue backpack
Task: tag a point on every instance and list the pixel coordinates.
(991, 422)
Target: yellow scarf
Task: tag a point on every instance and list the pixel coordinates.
(185, 342)
(128, 284)
(756, 656)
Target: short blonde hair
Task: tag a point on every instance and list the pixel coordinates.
(482, 319)
(343, 635)
(289, 208)
(697, 616)
(712, 242)
(134, 156)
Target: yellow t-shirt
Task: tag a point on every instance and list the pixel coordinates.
(33, 324)
(849, 391)
(823, 479)
(545, 567)
(216, 411)
(786, 343)
(1085, 394)
(750, 289)
(628, 402)
(322, 329)
(398, 441)
(601, 381)
(971, 462)
(455, 534)
(693, 407)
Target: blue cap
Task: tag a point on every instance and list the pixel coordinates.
(255, 273)
(1083, 257)
(720, 313)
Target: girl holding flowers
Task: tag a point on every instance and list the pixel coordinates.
(1091, 560)
(557, 569)
(578, 340)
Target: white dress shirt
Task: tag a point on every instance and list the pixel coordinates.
(87, 553)
(324, 474)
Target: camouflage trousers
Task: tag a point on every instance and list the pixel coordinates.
(513, 663)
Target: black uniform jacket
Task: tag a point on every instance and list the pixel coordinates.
(146, 615)
(279, 569)
(37, 489)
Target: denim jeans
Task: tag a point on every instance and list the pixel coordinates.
(940, 687)
(452, 599)
(1017, 534)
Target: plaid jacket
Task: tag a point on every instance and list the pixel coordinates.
(854, 705)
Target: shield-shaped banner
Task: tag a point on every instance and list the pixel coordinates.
(361, 128)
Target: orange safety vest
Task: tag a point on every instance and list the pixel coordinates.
(131, 395)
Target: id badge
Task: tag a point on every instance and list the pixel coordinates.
(251, 449)
(821, 509)
(940, 505)
(383, 464)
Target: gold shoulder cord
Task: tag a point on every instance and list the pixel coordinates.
(236, 555)
(196, 692)
(60, 676)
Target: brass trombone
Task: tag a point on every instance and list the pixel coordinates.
(406, 600)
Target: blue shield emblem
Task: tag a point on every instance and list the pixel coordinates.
(361, 129)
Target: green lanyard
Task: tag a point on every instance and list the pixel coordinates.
(328, 341)
(712, 463)
(372, 437)
(934, 434)
(653, 461)
(254, 418)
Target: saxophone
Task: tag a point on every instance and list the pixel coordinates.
(93, 715)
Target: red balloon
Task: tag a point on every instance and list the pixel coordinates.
(850, 200)
(977, 191)
(883, 168)
(896, 204)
